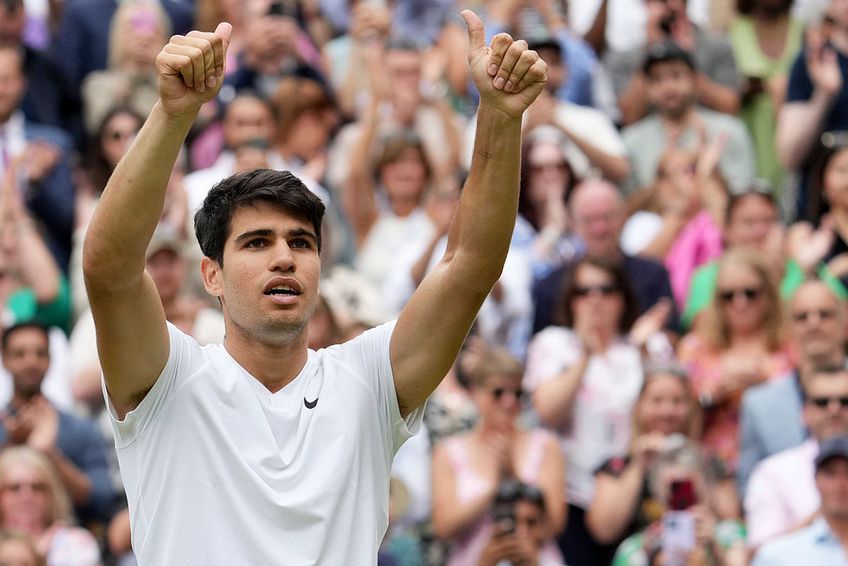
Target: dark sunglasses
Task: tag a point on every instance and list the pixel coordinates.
(750, 293)
(499, 392)
(539, 167)
(118, 135)
(822, 402)
(823, 314)
(605, 290)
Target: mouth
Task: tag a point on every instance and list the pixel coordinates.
(284, 287)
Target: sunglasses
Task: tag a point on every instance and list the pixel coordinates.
(750, 293)
(822, 402)
(118, 135)
(605, 290)
(539, 167)
(823, 314)
(499, 392)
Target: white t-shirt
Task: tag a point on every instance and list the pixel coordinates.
(218, 470)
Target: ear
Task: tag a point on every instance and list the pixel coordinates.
(211, 272)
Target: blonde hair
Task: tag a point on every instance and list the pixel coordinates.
(694, 420)
(60, 503)
(495, 361)
(118, 39)
(715, 330)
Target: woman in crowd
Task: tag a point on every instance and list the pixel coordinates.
(468, 469)
(740, 343)
(585, 376)
(718, 541)
(665, 415)
(33, 501)
(546, 182)
(138, 32)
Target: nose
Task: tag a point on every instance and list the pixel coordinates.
(282, 258)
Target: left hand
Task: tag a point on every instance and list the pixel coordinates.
(46, 429)
(651, 322)
(508, 76)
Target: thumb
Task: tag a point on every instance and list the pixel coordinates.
(224, 31)
(476, 33)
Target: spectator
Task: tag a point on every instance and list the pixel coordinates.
(717, 540)
(73, 445)
(33, 501)
(597, 214)
(765, 40)
(585, 377)
(781, 494)
(822, 542)
(468, 469)
(43, 153)
(671, 83)
(665, 412)
(741, 344)
(771, 414)
(714, 74)
(138, 31)
(816, 99)
(522, 534)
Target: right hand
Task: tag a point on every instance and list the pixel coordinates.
(646, 448)
(822, 64)
(191, 70)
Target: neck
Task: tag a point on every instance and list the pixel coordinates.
(839, 39)
(840, 217)
(839, 527)
(752, 338)
(770, 18)
(273, 365)
(20, 398)
(678, 120)
(403, 206)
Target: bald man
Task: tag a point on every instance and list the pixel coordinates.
(597, 214)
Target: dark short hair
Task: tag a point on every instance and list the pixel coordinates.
(830, 370)
(616, 271)
(30, 325)
(759, 188)
(280, 188)
(666, 52)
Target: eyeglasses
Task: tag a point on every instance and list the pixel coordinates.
(17, 487)
(499, 392)
(823, 314)
(604, 290)
(750, 293)
(822, 402)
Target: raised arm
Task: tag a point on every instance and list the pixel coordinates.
(132, 339)
(434, 322)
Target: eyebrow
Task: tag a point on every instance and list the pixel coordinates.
(266, 232)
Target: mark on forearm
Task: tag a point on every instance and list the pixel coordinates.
(485, 154)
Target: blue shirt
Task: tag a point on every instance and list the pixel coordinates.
(815, 545)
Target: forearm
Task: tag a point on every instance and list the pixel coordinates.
(450, 521)
(554, 399)
(133, 200)
(797, 127)
(38, 268)
(614, 167)
(480, 233)
(614, 505)
(633, 102)
(74, 480)
(661, 244)
(717, 96)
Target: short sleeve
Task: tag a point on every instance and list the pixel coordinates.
(184, 360)
(799, 87)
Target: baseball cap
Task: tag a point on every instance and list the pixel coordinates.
(165, 237)
(835, 447)
(664, 52)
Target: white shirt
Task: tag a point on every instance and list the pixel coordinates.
(781, 493)
(219, 470)
(599, 425)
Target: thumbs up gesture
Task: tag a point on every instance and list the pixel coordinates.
(191, 70)
(508, 75)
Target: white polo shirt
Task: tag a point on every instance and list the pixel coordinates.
(218, 470)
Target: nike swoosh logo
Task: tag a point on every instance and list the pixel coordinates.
(310, 404)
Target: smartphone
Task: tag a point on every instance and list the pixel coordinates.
(285, 8)
(678, 523)
(503, 515)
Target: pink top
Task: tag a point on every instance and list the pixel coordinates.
(698, 243)
(781, 493)
(467, 548)
(721, 423)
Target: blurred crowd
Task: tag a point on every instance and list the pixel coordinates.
(658, 377)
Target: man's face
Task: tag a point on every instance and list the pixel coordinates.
(12, 83)
(824, 413)
(671, 88)
(268, 284)
(27, 359)
(832, 483)
(557, 73)
(750, 223)
(167, 269)
(598, 217)
(248, 119)
(403, 67)
(11, 26)
(818, 322)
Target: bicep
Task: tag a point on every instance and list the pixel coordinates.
(132, 339)
(429, 333)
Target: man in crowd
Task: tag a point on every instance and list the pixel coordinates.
(73, 445)
(771, 413)
(781, 494)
